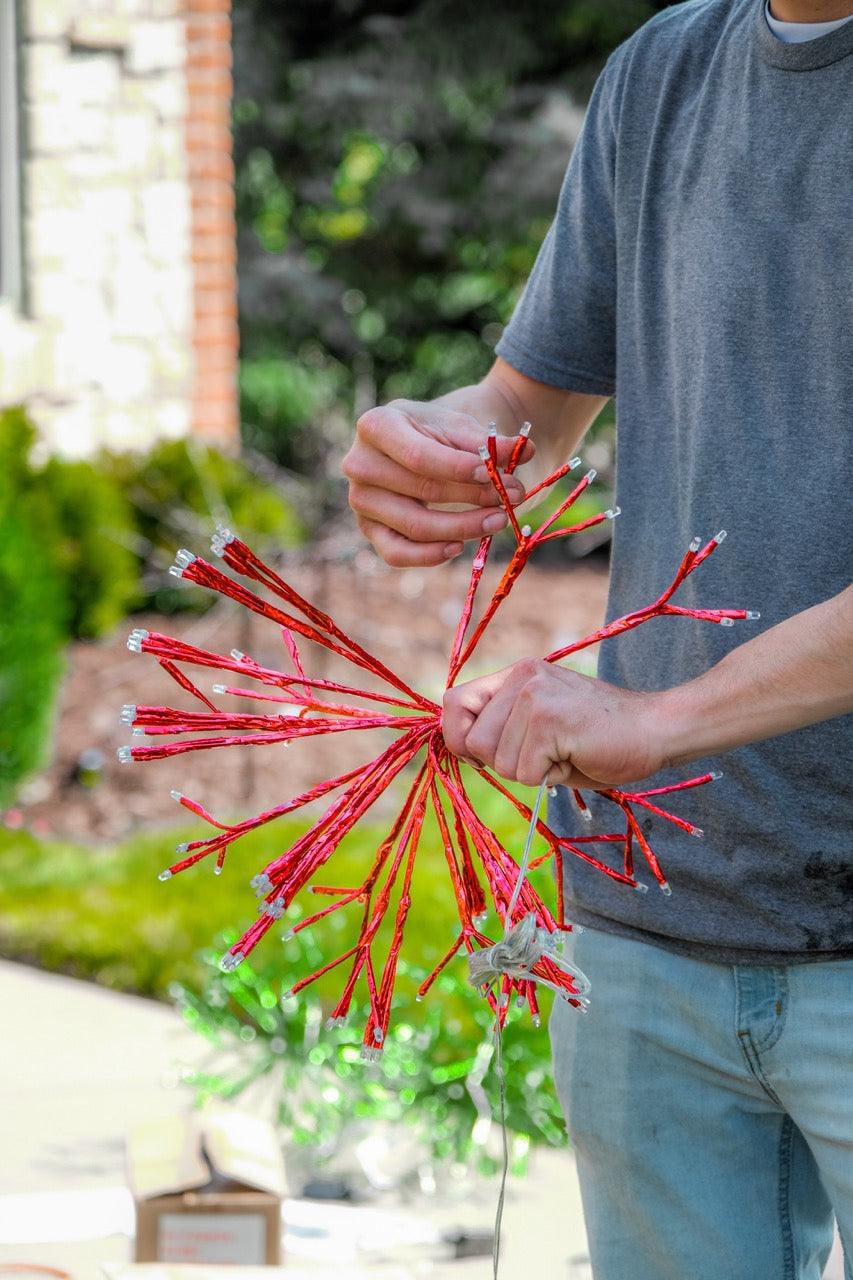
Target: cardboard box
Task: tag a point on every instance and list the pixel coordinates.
(208, 1189)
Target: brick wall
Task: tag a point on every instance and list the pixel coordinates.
(128, 331)
(213, 232)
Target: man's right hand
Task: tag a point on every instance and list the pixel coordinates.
(409, 455)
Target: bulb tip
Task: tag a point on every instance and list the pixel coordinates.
(221, 539)
(136, 639)
(231, 960)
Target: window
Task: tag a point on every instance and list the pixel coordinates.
(11, 274)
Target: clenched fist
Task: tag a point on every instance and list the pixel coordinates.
(409, 456)
(535, 719)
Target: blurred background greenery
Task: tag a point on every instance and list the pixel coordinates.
(397, 165)
(397, 168)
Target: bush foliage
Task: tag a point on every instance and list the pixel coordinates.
(104, 915)
(397, 167)
(34, 609)
(86, 542)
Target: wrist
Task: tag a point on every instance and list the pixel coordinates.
(679, 728)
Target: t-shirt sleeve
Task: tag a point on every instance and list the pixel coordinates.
(563, 329)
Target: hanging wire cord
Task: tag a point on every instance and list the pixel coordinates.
(522, 945)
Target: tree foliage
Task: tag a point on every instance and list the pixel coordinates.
(397, 167)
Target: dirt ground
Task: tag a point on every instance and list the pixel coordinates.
(406, 617)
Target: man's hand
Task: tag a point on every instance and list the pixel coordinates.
(408, 455)
(534, 719)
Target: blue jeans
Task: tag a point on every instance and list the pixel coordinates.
(710, 1108)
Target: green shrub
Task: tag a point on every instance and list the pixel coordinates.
(33, 612)
(86, 528)
(432, 1053)
(94, 544)
(280, 399)
(106, 916)
(179, 491)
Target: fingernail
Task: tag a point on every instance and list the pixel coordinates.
(452, 549)
(481, 475)
(493, 524)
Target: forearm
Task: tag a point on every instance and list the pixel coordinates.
(793, 675)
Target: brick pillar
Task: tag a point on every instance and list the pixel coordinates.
(210, 170)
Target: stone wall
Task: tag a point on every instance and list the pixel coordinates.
(116, 286)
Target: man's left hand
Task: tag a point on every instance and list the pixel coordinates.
(535, 719)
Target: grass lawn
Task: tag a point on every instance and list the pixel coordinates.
(102, 914)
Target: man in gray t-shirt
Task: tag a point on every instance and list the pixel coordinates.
(699, 268)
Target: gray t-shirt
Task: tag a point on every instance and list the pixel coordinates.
(699, 267)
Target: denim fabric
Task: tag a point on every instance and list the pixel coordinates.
(710, 1108)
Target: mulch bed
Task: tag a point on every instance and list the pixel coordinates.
(406, 617)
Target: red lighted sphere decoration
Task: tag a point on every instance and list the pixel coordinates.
(480, 869)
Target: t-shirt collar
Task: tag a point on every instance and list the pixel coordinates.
(808, 56)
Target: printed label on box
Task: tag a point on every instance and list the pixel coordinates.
(212, 1237)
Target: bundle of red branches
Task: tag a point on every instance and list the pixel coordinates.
(479, 866)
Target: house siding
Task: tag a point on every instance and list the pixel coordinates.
(122, 233)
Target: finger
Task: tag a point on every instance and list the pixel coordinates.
(474, 694)
(464, 432)
(366, 465)
(489, 726)
(423, 524)
(400, 553)
(538, 758)
(451, 456)
(510, 742)
(566, 775)
(456, 722)
(462, 705)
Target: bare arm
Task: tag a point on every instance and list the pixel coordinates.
(409, 456)
(795, 674)
(535, 718)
